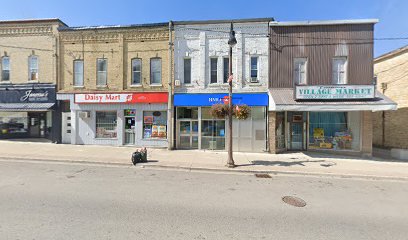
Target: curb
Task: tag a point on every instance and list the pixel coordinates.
(218, 170)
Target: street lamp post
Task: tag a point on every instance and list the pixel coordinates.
(231, 42)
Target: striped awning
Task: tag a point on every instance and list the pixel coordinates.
(25, 107)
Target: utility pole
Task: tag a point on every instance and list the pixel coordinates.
(231, 42)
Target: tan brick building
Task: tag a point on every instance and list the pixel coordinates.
(29, 57)
(115, 80)
(390, 128)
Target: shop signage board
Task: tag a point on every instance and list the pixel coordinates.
(335, 92)
(28, 93)
(250, 99)
(103, 98)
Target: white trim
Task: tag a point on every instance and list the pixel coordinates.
(326, 22)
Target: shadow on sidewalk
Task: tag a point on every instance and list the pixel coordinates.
(323, 163)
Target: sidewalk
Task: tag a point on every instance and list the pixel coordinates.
(290, 163)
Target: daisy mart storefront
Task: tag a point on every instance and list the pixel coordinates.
(197, 129)
(324, 118)
(138, 119)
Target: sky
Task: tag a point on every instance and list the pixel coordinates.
(392, 14)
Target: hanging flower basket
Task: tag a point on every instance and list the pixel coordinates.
(242, 112)
(219, 110)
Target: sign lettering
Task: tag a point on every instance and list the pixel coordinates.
(335, 92)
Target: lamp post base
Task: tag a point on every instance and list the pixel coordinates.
(230, 165)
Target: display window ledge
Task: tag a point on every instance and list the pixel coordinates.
(105, 139)
(155, 139)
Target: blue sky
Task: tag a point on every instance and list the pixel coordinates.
(393, 14)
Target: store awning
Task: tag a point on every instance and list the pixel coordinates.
(282, 99)
(25, 107)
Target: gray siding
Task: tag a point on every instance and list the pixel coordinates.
(319, 44)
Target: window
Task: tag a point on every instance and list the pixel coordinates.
(78, 73)
(155, 71)
(136, 71)
(33, 68)
(187, 113)
(339, 70)
(155, 124)
(226, 70)
(5, 69)
(254, 69)
(213, 70)
(187, 70)
(300, 73)
(212, 131)
(101, 79)
(106, 124)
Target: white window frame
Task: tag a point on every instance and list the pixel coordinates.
(254, 80)
(216, 69)
(97, 72)
(336, 72)
(75, 73)
(140, 72)
(184, 69)
(297, 73)
(2, 69)
(30, 58)
(161, 71)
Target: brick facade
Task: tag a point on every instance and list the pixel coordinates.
(392, 70)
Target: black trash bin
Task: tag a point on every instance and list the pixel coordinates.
(137, 157)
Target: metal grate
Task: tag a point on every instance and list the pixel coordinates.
(294, 201)
(262, 175)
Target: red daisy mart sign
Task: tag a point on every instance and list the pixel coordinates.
(102, 98)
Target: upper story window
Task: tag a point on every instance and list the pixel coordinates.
(5, 69)
(226, 69)
(213, 70)
(300, 71)
(155, 71)
(33, 68)
(187, 70)
(340, 70)
(101, 67)
(254, 69)
(79, 72)
(136, 71)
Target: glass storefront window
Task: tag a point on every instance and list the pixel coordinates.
(154, 124)
(212, 131)
(13, 123)
(334, 130)
(187, 112)
(106, 124)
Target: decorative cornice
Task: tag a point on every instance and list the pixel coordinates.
(32, 30)
(129, 35)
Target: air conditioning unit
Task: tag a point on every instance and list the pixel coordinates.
(84, 114)
(177, 83)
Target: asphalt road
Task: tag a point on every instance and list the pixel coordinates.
(76, 201)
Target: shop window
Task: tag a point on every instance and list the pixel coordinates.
(33, 68)
(154, 124)
(136, 71)
(13, 124)
(106, 124)
(102, 78)
(334, 130)
(78, 73)
(5, 69)
(254, 69)
(187, 112)
(212, 131)
(187, 70)
(213, 70)
(226, 69)
(155, 71)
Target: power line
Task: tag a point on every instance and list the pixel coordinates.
(27, 48)
(386, 70)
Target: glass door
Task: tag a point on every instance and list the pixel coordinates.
(188, 134)
(296, 136)
(130, 134)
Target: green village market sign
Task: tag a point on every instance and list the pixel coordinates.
(335, 92)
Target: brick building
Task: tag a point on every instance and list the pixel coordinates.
(114, 83)
(390, 127)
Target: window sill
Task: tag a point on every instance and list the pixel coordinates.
(101, 86)
(33, 81)
(214, 85)
(79, 87)
(254, 84)
(188, 85)
(156, 85)
(136, 85)
(5, 82)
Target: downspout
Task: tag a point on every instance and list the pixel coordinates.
(170, 117)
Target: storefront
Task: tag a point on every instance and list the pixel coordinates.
(197, 129)
(324, 118)
(138, 119)
(28, 111)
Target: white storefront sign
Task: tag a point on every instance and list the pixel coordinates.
(335, 92)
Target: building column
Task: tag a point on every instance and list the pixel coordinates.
(367, 134)
(271, 132)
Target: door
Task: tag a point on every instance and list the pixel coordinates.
(296, 136)
(66, 128)
(130, 121)
(34, 124)
(188, 134)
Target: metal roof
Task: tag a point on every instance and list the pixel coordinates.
(41, 20)
(325, 22)
(243, 20)
(108, 27)
(282, 99)
(391, 54)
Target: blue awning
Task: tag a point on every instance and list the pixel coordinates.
(209, 99)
